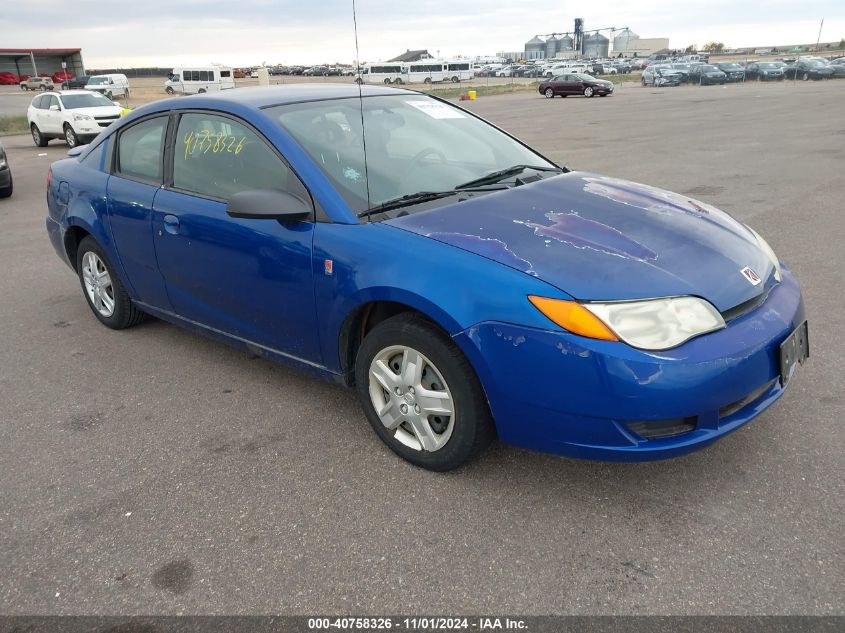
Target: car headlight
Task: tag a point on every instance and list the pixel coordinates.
(2, 161)
(82, 117)
(764, 246)
(649, 324)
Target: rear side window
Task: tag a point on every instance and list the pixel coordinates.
(217, 157)
(140, 149)
(37, 102)
(225, 73)
(195, 75)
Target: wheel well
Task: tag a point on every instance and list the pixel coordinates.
(73, 237)
(358, 323)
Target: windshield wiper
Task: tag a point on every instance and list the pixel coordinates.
(419, 197)
(497, 176)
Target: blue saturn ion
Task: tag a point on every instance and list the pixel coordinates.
(467, 287)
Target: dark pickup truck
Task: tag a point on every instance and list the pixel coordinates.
(75, 83)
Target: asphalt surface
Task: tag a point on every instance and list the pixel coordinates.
(153, 471)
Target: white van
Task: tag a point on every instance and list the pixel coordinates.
(115, 85)
(197, 80)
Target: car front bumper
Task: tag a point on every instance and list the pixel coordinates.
(561, 393)
(5, 177)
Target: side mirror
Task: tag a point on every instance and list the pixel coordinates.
(268, 204)
(54, 108)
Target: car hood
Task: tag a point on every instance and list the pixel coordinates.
(601, 238)
(98, 111)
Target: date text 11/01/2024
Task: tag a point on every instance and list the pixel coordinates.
(417, 624)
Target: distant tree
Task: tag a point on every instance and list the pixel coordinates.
(690, 49)
(714, 47)
(842, 43)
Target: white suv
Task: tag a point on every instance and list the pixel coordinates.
(74, 115)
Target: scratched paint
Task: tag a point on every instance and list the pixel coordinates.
(572, 229)
(656, 200)
(488, 247)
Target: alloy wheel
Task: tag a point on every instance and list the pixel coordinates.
(411, 398)
(98, 284)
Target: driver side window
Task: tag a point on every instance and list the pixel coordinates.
(217, 157)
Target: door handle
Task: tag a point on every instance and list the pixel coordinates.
(171, 224)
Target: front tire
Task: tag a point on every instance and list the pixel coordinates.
(169, 90)
(421, 395)
(37, 137)
(70, 137)
(588, 91)
(103, 291)
(6, 192)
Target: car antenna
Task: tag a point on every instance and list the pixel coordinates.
(359, 81)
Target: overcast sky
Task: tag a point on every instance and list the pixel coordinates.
(248, 32)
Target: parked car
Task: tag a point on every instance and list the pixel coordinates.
(733, 71)
(110, 85)
(317, 71)
(838, 67)
(660, 76)
(575, 84)
(288, 249)
(683, 69)
(77, 116)
(622, 66)
(6, 184)
(806, 69)
(764, 71)
(75, 83)
(707, 74)
(37, 83)
(9, 79)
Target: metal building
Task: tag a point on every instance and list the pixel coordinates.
(535, 48)
(565, 43)
(41, 61)
(596, 45)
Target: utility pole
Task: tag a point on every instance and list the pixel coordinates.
(819, 38)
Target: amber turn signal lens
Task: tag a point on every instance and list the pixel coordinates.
(573, 317)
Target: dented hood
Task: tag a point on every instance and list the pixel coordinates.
(600, 238)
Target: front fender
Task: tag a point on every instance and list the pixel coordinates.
(454, 288)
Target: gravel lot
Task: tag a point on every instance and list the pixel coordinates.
(153, 471)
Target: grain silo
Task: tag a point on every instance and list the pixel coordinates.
(596, 45)
(552, 47)
(535, 48)
(564, 43)
(625, 41)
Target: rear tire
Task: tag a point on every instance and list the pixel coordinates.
(124, 313)
(427, 80)
(442, 369)
(805, 77)
(550, 94)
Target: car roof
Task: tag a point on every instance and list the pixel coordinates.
(264, 96)
(77, 92)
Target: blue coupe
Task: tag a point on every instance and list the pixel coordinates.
(463, 284)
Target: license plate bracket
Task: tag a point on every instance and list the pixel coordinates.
(794, 351)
